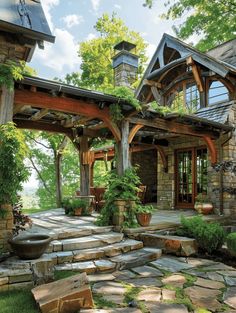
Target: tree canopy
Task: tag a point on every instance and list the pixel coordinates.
(213, 21)
(96, 53)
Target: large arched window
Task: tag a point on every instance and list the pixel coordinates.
(217, 93)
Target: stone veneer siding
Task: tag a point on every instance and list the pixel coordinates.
(6, 226)
(166, 181)
(147, 162)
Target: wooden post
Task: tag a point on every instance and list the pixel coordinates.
(6, 105)
(123, 160)
(84, 168)
(92, 174)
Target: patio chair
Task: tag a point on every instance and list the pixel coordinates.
(99, 193)
(141, 193)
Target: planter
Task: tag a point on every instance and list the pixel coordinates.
(203, 208)
(30, 246)
(122, 205)
(78, 211)
(144, 219)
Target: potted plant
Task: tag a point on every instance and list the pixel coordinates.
(75, 206)
(120, 198)
(144, 214)
(203, 204)
(231, 244)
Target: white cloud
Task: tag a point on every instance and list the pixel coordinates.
(72, 20)
(95, 4)
(117, 6)
(90, 36)
(150, 50)
(60, 55)
(47, 6)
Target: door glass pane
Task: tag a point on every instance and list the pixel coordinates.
(201, 175)
(185, 182)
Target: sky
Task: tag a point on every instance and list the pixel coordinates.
(72, 21)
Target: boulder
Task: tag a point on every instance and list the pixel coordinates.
(64, 296)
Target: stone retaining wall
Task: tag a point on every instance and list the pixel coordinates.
(6, 225)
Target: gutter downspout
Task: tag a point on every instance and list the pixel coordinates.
(221, 173)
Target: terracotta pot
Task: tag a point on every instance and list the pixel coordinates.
(203, 208)
(30, 246)
(144, 218)
(78, 211)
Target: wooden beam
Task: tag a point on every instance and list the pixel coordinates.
(6, 105)
(123, 160)
(67, 105)
(19, 108)
(212, 149)
(156, 94)
(76, 120)
(172, 127)
(152, 83)
(38, 125)
(196, 74)
(37, 116)
(163, 158)
(133, 132)
(84, 168)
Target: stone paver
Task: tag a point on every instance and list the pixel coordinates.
(144, 282)
(147, 271)
(110, 290)
(166, 308)
(117, 310)
(203, 297)
(175, 280)
(171, 264)
(150, 294)
(206, 283)
(168, 295)
(230, 297)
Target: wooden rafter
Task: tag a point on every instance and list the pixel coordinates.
(67, 105)
(152, 83)
(76, 120)
(196, 74)
(172, 127)
(37, 116)
(19, 108)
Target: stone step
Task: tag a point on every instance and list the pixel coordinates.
(180, 246)
(124, 261)
(86, 242)
(93, 254)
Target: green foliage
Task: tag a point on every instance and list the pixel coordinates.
(96, 54)
(9, 72)
(165, 110)
(12, 168)
(20, 220)
(3, 213)
(144, 208)
(119, 187)
(102, 303)
(213, 21)
(231, 243)
(116, 113)
(209, 236)
(71, 204)
(202, 198)
(44, 150)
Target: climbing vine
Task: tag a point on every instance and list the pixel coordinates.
(11, 71)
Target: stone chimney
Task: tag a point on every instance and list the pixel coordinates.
(125, 64)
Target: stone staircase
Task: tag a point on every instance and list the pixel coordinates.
(102, 251)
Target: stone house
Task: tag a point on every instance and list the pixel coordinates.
(201, 87)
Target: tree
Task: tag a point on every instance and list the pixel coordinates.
(96, 54)
(213, 21)
(55, 161)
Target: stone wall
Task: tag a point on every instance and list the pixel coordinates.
(6, 225)
(147, 161)
(125, 75)
(166, 181)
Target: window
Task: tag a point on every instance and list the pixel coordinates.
(217, 93)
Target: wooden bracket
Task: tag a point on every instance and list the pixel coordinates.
(152, 83)
(212, 149)
(133, 132)
(196, 74)
(163, 158)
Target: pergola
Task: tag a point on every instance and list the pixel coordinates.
(82, 115)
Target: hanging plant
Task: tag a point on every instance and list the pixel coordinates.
(116, 113)
(9, 72)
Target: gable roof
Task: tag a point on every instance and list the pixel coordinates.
(25, 18)
(225, 52)
(185, 51)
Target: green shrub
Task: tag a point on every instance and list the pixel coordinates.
(231, 243)
(209, 236)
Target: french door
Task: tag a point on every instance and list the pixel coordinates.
(190, 175)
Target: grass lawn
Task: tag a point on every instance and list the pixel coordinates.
(17, 301)
(33, 210)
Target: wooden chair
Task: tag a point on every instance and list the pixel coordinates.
(141, 193)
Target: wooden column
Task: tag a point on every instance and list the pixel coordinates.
(123, 160)
(6, 105)
(84, 167)
(92, 174)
